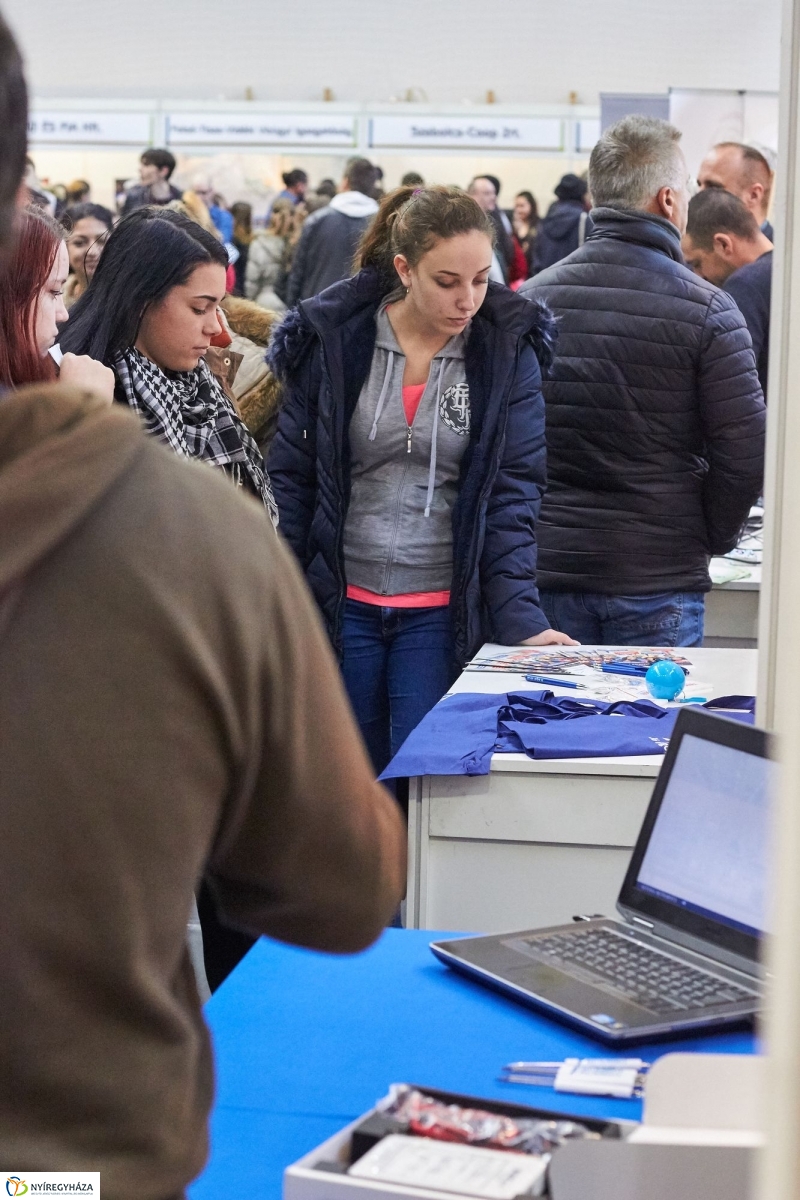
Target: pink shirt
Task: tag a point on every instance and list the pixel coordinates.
(412, 396)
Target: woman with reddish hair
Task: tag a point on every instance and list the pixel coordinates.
(32, 307)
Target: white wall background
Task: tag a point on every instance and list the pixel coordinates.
(369, 50)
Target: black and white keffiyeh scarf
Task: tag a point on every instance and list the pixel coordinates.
(189, 411)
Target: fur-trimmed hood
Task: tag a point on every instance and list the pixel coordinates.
(254, 388)
(250, 320)
(529, 320)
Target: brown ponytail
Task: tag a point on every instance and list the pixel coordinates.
(411, 220)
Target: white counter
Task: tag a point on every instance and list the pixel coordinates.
(534, 842)
(732, 606)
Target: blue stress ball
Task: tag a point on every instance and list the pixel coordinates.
(665, 680)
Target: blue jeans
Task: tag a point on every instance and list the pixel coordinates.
(669, 619)
(397, 664)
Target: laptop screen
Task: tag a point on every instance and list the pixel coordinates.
(708, 848)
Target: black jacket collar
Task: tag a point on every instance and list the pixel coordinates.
(634, 225)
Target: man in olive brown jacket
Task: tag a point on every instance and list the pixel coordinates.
(168, 708)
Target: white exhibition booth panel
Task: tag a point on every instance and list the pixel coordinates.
(247, 145)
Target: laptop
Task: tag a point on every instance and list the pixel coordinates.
(684, 956)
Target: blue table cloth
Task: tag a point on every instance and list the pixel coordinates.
(306, 1042)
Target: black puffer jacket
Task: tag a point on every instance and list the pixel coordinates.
(655, 417)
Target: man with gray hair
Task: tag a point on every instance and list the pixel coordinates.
(655, 416)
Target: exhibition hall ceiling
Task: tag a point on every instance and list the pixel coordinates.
(364, 51)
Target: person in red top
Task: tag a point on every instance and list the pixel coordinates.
(524, 223)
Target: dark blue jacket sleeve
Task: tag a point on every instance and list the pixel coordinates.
(508, 561)
(297, 274)
(733, 417)
(292, 461)
(753, 304)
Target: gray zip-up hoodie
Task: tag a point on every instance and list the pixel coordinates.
(398, 534)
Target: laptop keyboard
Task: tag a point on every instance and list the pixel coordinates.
(636, 972)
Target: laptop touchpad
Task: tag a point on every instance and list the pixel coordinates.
(557, 988)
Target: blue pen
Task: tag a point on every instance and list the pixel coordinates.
(623, 668)
(615, 668)
(552, 682)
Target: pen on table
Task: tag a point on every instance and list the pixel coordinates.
(596, 1076)
(624, 669)
(552, 682)
(528, 1080)
(621, 668)
(482, 664)
(549, 1067)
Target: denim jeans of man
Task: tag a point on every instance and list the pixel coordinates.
(397, 664)
(668, 619)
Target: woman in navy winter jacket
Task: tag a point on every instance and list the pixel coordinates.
(409, 460)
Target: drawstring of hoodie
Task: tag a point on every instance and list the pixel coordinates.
(373, 433)
(432, 467)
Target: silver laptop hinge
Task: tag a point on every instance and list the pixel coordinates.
(639, 921)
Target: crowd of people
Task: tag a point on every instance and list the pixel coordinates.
(467, 424)
(524, 242)
(386, 354)
(273, 263)
(378, 388)
(321, 339)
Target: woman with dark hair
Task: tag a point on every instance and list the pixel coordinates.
(150, 313)
(295, 183)
(524, 221)
(32, 307)
(88, 227)
(409, 460)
